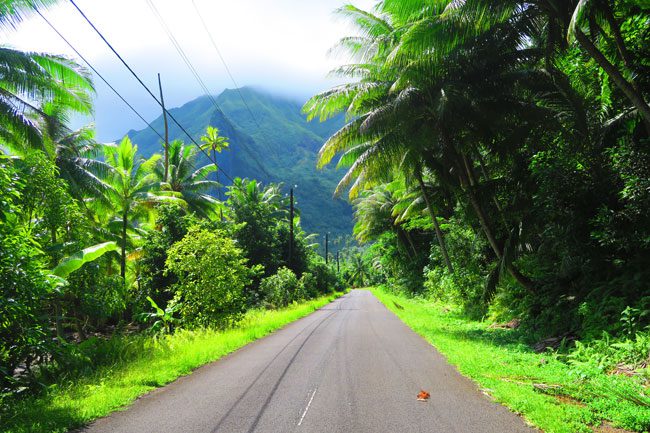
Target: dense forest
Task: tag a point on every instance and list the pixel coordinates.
(497, 156)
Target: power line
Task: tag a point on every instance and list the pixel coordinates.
(190, 66)
(182, 53)
(97, 72)
(109, 85)
(232, 78)
(144, 85)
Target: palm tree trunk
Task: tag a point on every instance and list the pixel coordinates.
(58, 312)
(434, 219)
(618, 37)
(408, 237)
(487, 177)
(125, 222)
(485, 225)
(626, 87)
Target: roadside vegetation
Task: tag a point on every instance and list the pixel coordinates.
(105, 375)
(112, 263)
(564, 391)
(497, 155)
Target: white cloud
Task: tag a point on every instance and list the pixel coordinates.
(280, 45)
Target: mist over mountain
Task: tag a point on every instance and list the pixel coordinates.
(270, 140)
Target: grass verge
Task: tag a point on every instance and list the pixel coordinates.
(143, 364)
(547, 392)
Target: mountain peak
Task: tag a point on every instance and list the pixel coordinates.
(270, 140)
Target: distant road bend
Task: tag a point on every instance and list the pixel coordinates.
(351, 366)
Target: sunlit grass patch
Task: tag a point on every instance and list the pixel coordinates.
(147, 363)
(548, 393)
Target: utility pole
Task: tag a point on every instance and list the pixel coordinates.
(327, 238)
(291, 228)
(338, 268)
(162, 102)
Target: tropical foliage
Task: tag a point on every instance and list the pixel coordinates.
(496, 153)
(513, 134)
(97, 241)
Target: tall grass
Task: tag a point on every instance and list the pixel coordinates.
(105, 375)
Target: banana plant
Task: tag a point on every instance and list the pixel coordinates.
(164, 320)
(74, 262)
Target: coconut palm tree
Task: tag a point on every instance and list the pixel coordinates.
(29, 83)
(131, 191)
(376, 211)
(414, 108)
(191, 183)
(375, 139)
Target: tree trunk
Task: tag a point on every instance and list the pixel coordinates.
(57, 320)
(125, 222)
(439, 235)
(410, 241)
(486, 175)
(485, 225)
(626, 87)
(618, 37)
(561, 81)
(58, 312)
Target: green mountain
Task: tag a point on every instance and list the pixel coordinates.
(273, 144)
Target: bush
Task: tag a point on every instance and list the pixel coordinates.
(308, 285)
(325, 280)
(281, 288)
(172, 224)
(211, 275)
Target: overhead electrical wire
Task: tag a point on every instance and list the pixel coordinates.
(135, 75)
(190, 66)
(230, 74)
(81, 56)
(97, 73)
(182, 53)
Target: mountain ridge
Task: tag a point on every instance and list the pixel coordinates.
(274, 144)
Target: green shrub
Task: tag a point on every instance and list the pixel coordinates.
(308, 285)
(281, 288)
(212, 273)
(172, 224)
(325, 279)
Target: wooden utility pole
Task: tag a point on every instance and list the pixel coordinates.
(291, 227)
(162, 102)
(338, 267)
(327, 238)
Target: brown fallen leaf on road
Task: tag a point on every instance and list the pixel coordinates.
(423, 395)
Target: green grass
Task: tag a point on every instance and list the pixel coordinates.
(547, 392)
(143, 364)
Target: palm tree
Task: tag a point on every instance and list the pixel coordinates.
(358, 271)
(12, 12)
(76, 153)
(550, 25)
(376, 139)
(132, 188)
(29, 83)
(378, 211)
(252, 196)
(190, 182)
(425, 97)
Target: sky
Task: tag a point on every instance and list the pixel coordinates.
(278, 45)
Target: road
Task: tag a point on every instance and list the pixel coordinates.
(351, 366)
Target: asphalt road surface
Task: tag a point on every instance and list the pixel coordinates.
(351, 366)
